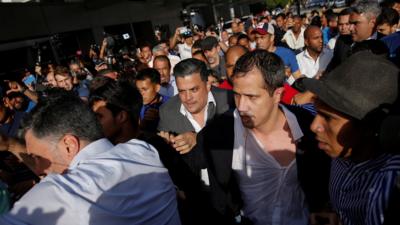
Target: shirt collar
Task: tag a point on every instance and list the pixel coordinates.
(307, 55)
(94, 148)
(374, 36)
(294, 126)
(210, 99)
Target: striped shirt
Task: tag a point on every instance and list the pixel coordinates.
(360, 192)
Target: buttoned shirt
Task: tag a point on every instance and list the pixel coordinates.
(292, 41)
(271, 193)
(360, 192)
(197, 127)
(170, 89)
(310, 67)
(125, 184)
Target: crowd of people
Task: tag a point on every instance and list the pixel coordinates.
(276, 119)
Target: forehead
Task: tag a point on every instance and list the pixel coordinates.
(343, 18)
(314, 32)
(160, 63)
(189, 81)
(62, 77)
(251, 81)
(144, 83)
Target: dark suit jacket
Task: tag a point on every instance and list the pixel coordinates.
(214, 151)
(341, 51)
(172, 120)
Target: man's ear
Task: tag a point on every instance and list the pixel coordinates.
(122, 117)
(71, 145)
(277, 95)
(158, 87)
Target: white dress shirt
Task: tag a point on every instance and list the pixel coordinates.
(309, 67)
(271, 193)
(189, 116)
(292, 41)
(125, 184)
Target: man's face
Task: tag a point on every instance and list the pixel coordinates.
(245, 43)
(314, 41)
(64, 81)
(106, 118)
(231, 60)
(252, 100)
(280, 22)
(193, 92)
(49, 155)
(264, 41)
(212, 55)
(297, 25)
(163, 68)
(75, 68)
(385, 29)
(361, 27)
(189, 41)
(333, 131)
(235, 27)
(147, 89)
(165, 48)
(344, 25)
(146, 53)
(17, 102)
(51, 81)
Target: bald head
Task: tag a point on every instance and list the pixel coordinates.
(313, 40)
(309, 30)
(232, 55)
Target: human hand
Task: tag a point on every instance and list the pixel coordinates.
(14, 86)
(166, 136)
(183, 143)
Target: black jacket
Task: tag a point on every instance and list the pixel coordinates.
(214, 151)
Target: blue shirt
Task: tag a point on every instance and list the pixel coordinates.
(392, 41)
(360, 192)
(288, 57)
(121, 185)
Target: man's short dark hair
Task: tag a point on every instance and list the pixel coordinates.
(346, 11)
(144, 45)
(149, 73)
(190, 66)
(61, 70)
(105, 71)
(162, 58)
(389, 16)
(197, 44)
(119, 96)
(208, 43)
(243, 36)
(60, 113)
(269, 64)
(281, 15)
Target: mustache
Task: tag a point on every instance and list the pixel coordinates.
(241, 114)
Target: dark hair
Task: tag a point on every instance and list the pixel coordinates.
(281, 15)
(199, 52)
(197, 44)
(331, 16)
(315, 12)
(119, 96)
(316, 21)
(190, 66)
(149, 73)
(60, 113)
(145, 44)
(346, 11)
(242, 36)
(61, 70)
(389, 16)
(105, 71)
(269, 64)
(163, 58)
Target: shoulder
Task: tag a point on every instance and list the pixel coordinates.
(173, 103)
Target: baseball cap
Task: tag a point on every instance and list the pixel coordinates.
(358, 86)
(265, 29)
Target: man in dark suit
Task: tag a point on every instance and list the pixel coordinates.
(187, 113)
(262, 158)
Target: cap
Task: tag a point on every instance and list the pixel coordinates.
(358, 86)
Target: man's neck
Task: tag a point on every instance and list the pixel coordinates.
(127, 133)
(199, 117)
(272, 48)
(314, 55)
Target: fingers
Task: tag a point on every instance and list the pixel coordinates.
(183, 143)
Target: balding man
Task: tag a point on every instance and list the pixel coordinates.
(315, 58)
(231, 56)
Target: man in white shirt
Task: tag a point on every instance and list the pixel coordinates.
(168, 85)
(184, 48)
(294, 37)
(315, 58)
(88, 180)
(185, 114)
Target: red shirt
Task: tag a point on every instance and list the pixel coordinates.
(288, 94)
(225, 85)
